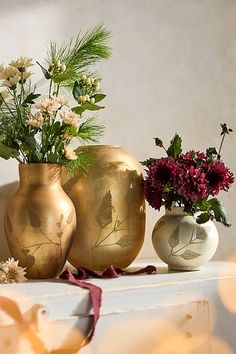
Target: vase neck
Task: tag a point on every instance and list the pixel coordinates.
(176, 211)
(40, 174)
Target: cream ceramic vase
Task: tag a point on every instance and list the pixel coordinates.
(40, 221)
(182, 243)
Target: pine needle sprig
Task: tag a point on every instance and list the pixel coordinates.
(84, 161)
(91, 130)
(80, 53)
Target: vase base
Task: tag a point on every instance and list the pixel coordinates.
(182, 268)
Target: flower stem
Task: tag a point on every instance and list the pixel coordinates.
(221, 144)
(50, 88)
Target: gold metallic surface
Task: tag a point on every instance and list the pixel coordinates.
(40, 220)
(110, 210)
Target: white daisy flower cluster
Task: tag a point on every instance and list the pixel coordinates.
(15, 73)
(11, 272)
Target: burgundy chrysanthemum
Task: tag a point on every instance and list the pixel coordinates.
(162, 172)
(219, 177)
(201, 155)
(188, 159)
(153, 195)
(192, 184)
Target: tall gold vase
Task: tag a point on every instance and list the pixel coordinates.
(110, 210)
(40, 220)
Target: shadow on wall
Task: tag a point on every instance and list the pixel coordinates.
(6, 191)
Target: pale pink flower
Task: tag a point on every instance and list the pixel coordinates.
(70, 118)
(22, 63)
(61, 101)
(69, 153)
(47, 105)
(36, 120)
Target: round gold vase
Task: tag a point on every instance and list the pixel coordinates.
(40, 221)
(110, 209)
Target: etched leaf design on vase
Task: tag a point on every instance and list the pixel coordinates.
(34, 219)
(60, 234)
(188, 254)
(104, 215)
(59, 223)
(125, 241)
(160, 223)
(30, 261)
(174, 238)
(70, 218)
(25, 251)
(201, 233)
(9, 224)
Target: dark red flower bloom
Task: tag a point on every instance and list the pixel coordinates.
(162, 171)
(153, 195)
(192, 184)
(201, 155)
(188, 159)
(219, 177)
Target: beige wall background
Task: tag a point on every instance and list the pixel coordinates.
(173, 69)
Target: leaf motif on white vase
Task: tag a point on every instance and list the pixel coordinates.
(188, 254)
(201, 233)
(104, 215)
(160, 224)
(174, 238)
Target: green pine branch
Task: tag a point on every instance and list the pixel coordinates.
(82, 164)
(80, 53)
(90, 131)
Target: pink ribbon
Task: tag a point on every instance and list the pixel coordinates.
(95, 291)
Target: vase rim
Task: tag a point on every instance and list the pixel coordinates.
(101, 146)
(40, 173)
(176, 210)
(40, 163)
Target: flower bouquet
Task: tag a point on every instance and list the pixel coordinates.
(38, 127)
(189, 180)
(186, 184)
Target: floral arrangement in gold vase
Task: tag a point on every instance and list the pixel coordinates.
(37, 129)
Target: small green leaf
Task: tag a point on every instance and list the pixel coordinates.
(55, 128)
(30, 142)
(77, 90)
(46, 74)
(78, 110)
(86, 106)
(72, 130)
(36, 156)
(201, 205)
(6, 152)
(175, 147)
(219, 212)
(202, 218)
(147, 162)
(30, 98)
(91, 107)
(99, 97)
(158, 142)
(211, 151)
(67, 75)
